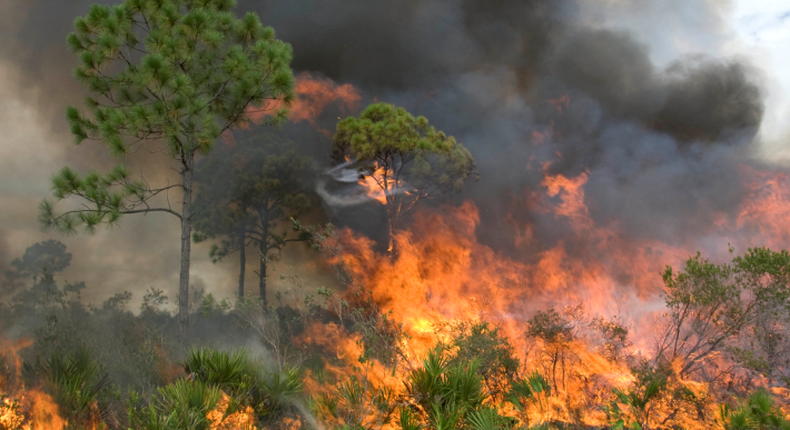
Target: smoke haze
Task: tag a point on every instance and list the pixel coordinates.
(632, 94)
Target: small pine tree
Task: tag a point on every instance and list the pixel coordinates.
(408, 159)
(248, 194)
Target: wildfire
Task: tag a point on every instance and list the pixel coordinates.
(561, 103)
(30, 410)
(443, 275)
(25, 408)
(373, 189)
(243, 419)
(764, 216)
(12, 348)
(314, 95)
(442, 271)
(371, 184)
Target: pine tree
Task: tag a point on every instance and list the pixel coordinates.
(408, 159)
(172, 75)
(247, 194)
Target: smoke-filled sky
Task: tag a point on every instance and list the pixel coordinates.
(658, 101)
(764, 27)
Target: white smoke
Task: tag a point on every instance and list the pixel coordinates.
(339, 186)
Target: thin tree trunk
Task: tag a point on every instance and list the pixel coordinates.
(186, 247)
(262, 272)
(263, 247)
(554, 361)
(390, 233)
(242, 264)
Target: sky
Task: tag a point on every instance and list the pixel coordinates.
(763, 27)
(35, 142)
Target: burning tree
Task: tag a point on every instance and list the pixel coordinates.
(172, 75)
(246, 193)
(739, 312)
(407, 159)
(556, 333)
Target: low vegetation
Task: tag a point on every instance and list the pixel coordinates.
(258, 366)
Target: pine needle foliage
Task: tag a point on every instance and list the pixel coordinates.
(406, 157)
(170, 76)
(172, 73)
(248, 194)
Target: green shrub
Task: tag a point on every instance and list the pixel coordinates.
(756, 413)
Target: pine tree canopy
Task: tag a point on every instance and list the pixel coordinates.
(245, 190)
(403, 153)
(170, 73)
(408, 159)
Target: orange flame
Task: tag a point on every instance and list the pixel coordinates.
(243, 419)
(764, 216)
(21, 408)
(314, 95)
(372, 185)
(13, 347)
(30, 410)
(43, 412)
(443, 274)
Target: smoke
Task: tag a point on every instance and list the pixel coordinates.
(34, 44)
(528, 84)
(36, 87)
(711, 101)
(616, 90)
(5, 258)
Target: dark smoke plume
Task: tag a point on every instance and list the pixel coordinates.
(657, 144)
(516, 81)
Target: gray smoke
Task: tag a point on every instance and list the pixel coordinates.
(5, 259)
(659, 143)
(34, 43)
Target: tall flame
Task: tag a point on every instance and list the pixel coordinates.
(443, 274)
(25, 408)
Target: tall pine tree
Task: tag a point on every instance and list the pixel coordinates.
(172, 75)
